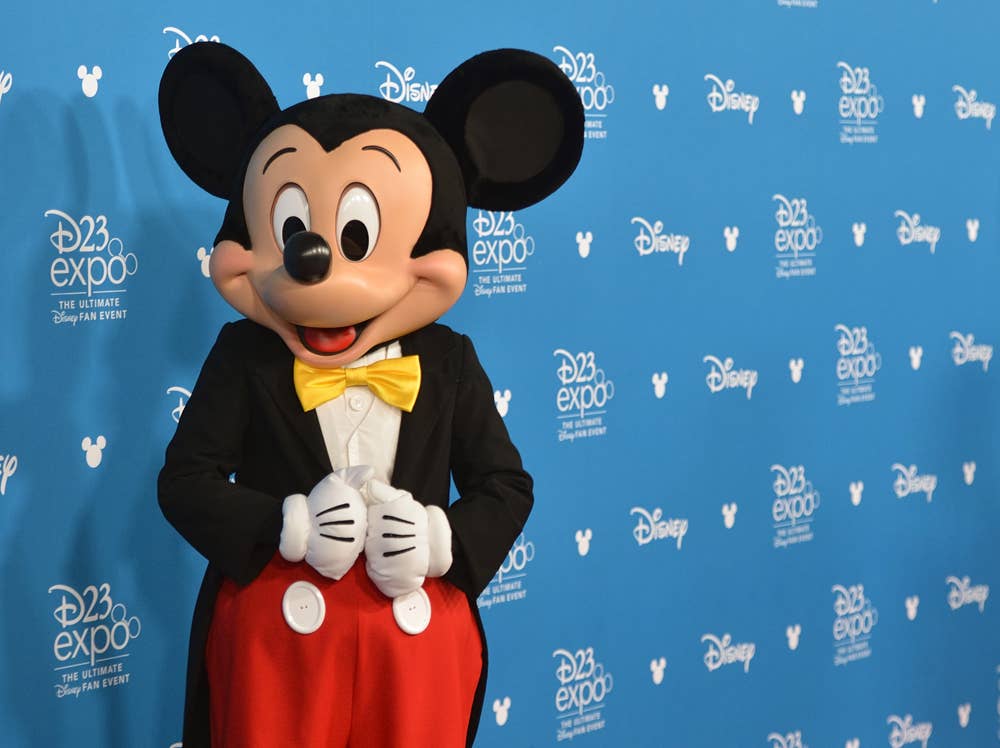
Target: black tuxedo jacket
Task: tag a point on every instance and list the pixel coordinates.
(244, 417)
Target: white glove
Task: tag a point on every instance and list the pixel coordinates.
(406, 540)
(327, 528)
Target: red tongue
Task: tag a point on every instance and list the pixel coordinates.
(329, 339)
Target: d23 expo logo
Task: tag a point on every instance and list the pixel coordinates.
(91, 647)
(584, 685)
(510, 582)
(500, 254)
(90, 270)
(795, 503)
(859, 106)
(583, 395)
(796, 238)
(596, 94)
(852, 627)
(857, 364)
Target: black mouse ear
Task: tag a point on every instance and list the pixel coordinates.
(515, 122)
(212, 101)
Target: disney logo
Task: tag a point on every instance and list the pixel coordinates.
(962, 592)
(722, 97)
(724, 652)
(910, 230)
(723, 375)
(966, 350)
(399, 86)
(651, 526)
(651, 239)
(908, 482)
(181, 36)
(968, 106)
(904, 731)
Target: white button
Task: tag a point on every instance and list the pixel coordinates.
(412, 611)
(304, 607)
(357, 402)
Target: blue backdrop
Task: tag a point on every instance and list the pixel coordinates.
(746, 353)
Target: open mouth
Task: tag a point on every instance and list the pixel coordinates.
(328, 341)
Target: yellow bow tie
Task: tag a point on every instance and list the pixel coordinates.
(394, 380)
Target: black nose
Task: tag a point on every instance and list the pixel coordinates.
(307, 257)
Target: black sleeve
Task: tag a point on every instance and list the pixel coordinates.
(494, 491)
(234, 527)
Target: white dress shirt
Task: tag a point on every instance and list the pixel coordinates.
(358, 427)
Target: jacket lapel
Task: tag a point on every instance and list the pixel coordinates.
(437, 373)
(276, 376)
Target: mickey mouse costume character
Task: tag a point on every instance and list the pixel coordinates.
(338, 607)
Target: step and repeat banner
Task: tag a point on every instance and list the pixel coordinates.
(746, 353)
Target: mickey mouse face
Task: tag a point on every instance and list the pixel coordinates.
(332, 233)
(346, 221)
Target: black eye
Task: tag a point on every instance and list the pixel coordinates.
(290, 214)
(357, 223)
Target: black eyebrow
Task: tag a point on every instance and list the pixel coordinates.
(380, 149)
(282, 152)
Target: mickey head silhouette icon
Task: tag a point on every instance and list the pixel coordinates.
(500, 709)
(204, 256)
(798, 101)
(793, 633)
(583, 538)
(502, 401)
(729, 515)
(660, 380)
(859, 229)
(94, 450)
(795, 369)
(912, 603)
(660, 94)
(88, 81)
(656, 667)
(856, 488)
(731, 233)
(583, 241)
(919, 102)
(312, 84)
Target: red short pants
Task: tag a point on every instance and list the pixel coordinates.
(358, 681)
